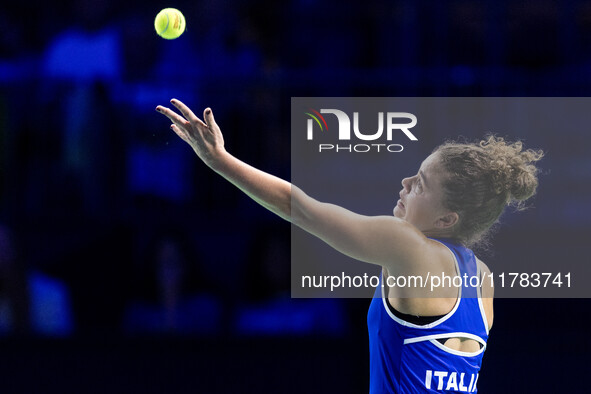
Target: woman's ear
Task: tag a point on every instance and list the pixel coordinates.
(447, 221)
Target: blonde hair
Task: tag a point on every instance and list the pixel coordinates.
(482, 179)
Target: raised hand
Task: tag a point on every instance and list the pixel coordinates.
(205, 138)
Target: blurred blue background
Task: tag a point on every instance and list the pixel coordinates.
(127, 266)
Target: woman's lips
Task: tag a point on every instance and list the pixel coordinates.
(400, 204)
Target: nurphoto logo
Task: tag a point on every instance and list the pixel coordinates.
(390, 122)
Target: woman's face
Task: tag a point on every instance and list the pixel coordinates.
(421, 198)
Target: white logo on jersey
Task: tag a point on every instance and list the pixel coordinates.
(449, 380)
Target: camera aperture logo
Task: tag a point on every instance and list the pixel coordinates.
(391, 122)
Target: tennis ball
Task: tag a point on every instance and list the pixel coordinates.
(169, 23)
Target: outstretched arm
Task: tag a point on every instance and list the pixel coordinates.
(382, 240)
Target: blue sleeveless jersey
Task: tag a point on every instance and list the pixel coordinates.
(408, 358)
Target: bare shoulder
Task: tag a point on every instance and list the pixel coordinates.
(485, 274)
(487, 291)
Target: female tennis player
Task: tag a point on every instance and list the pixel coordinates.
(417, 344)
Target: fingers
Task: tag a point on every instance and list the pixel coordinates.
(184, 128)
(173, 116)
(180, 132)
(208, 116)
(186, 111)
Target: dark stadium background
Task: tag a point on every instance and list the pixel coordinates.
(127, 266)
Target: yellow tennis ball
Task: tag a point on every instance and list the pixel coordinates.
(169, 23)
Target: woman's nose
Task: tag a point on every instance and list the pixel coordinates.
(406, 183)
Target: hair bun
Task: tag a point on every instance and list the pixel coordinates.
(515, 172)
